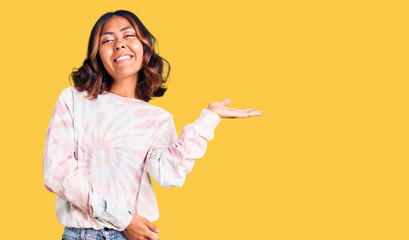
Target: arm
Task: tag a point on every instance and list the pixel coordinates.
(61, 174)
(171, 158)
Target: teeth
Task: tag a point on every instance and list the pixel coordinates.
(122, 58)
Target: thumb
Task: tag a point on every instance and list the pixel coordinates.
(225, 101)
(152, 227)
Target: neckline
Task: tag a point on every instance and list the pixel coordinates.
(125, 98)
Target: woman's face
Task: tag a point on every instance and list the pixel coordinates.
(120, 49)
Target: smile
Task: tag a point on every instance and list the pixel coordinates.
(123, 58)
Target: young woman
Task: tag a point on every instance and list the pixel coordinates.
(104, 139)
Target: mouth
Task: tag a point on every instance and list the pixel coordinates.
(123, 58)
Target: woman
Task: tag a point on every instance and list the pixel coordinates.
(104, 138)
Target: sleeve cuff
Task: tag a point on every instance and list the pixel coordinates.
(207, 122)
(109, 211)
(124, 219)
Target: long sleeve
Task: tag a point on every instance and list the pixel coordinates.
(172, 158)
(62, 175)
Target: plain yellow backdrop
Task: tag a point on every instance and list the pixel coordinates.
(327, 160)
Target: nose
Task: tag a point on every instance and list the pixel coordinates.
(119, 45)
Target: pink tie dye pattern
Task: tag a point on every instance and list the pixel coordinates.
(98, 156)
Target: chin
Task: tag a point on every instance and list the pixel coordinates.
(122, 76)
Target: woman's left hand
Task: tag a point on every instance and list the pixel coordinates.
(224, 112)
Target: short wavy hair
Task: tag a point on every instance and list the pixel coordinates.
(93, 78)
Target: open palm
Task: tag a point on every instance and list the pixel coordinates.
(225, 112)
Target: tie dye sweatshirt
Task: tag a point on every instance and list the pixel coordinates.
(98, 156)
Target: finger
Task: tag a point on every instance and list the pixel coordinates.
(152, 227)
(254, 113)
(225, 101)
(150, 236)
(248, 110)
(245, 114)
(243, 110)
(217, 104)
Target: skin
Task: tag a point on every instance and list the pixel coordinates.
(119, 37)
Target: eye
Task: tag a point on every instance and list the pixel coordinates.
(106, 41)
(129, 35)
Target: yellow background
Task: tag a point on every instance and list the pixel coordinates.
(327, 160)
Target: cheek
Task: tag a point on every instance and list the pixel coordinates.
(138, 49)
(104, 55)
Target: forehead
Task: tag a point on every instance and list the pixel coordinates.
(114, 24)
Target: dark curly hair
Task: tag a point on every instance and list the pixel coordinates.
(93, 77)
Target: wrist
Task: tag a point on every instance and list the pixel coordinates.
(128, 221)
(213, 110)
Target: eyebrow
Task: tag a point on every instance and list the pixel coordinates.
(123, 29)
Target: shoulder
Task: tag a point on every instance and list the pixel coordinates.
(158, 113)
(67, 93)
(70, 93)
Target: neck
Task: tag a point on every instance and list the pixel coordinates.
(124, 87)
